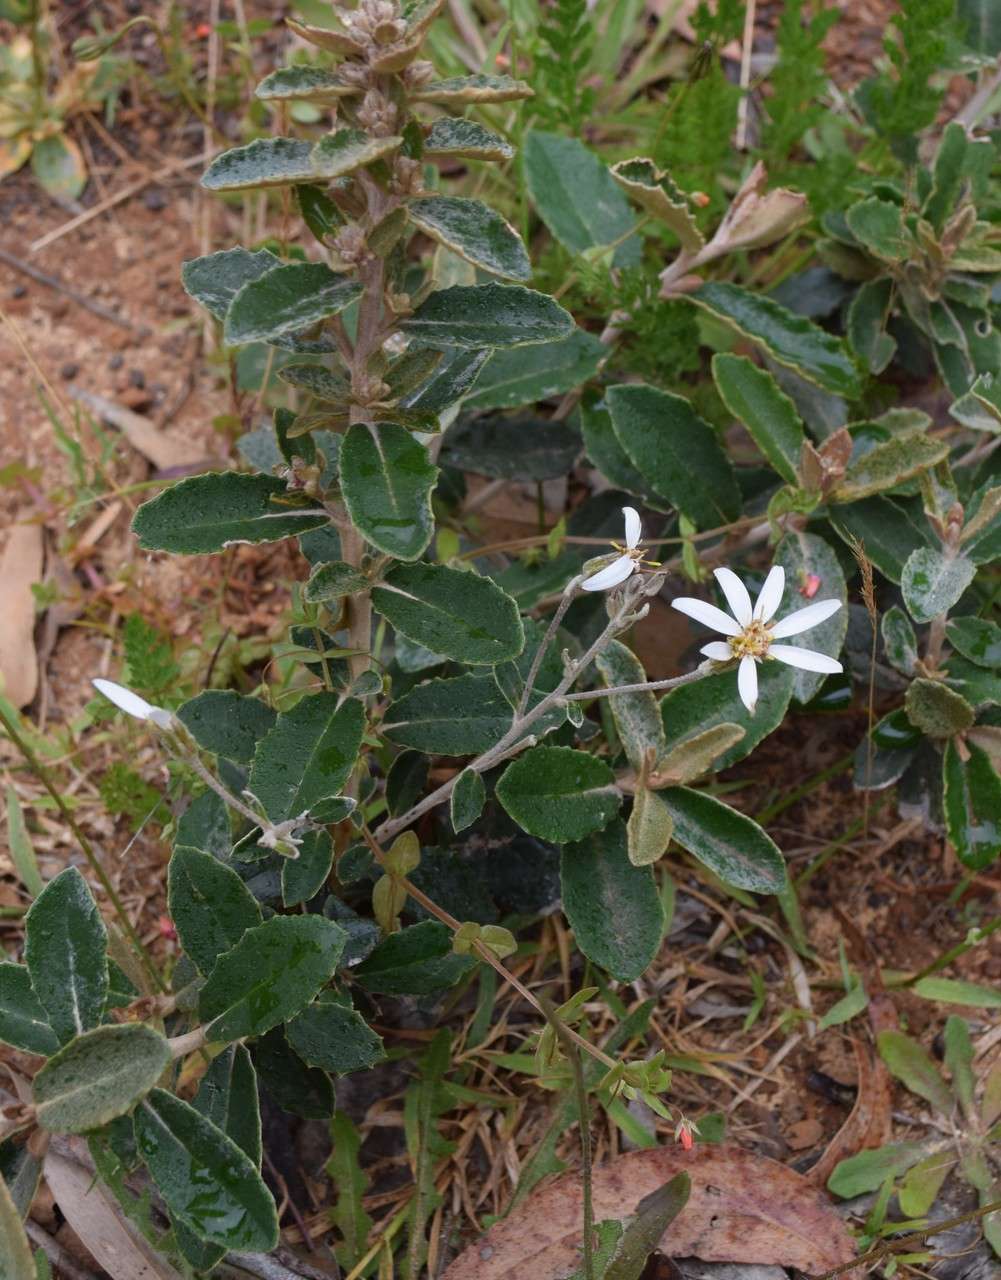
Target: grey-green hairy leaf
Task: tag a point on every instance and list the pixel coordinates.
(754, 398)
(308, 756)
(222, 721)
(879, 226)
(387, 479)
(457, 91)
(227, 1096)
(714, 700)
(266, 162)
(977, 639)
(206, 1181)
(913, 1066)
(937, 710)
(305, 876)
(649, 828)
(889, 465)
(451, 612)
(888, 532)
(576, 196)
(335, 1037)
(899, 640)
(270, 975)
(346, 150)
(697, 754)
(487, 315)
(729, 843)
(455, 136)
(331, 580)
(285, 300)
(932, 582)
(805, 556)
(513, 378)
(676, 452)
(459, 716)
(206, 513)
(308, 84)
(24, 1024)
(325, 384)
(559, 794)
(636, 715)
(972, 804)
(209, 904)
(416, 961)
(467, 800)
(66, 952)
(16, 1260)
(97, 1076)
(613, 907)
(215, 280)
(475, 232)
(657, 193)
(792, 340)
(512, 447)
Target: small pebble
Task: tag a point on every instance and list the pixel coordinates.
(69, 371)
(155, 200)
(116, 361)
(137, 378)
(19, 291)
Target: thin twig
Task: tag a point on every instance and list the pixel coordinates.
(569, 591)
(745, 74)
(53, 282)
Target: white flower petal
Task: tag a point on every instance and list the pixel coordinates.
(747, 683)
(707, 614)
(129, 702)
(770, 595)
(634, 530)
(718, 650)
(612, 574)
(736, 595)
(804, 619)
(808, 659)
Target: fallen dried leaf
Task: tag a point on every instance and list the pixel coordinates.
(20, 569)
(161, 449)
(743, 1208)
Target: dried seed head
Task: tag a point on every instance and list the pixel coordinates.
(377, 114)
(350, 244)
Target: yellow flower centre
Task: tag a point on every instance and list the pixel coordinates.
(752, 642)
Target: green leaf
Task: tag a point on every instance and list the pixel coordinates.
(613, 907)
(559, 794)
(323, 383)
(657, 193)
(642, 1232)
(97, 1076)
(886, 530)
(269, 976)
(387, 479)
(16, 1261)
(576, 196)
(319, 212)
(935, 709)
(204, 825)
(222, 721)
(704, 703)
(803, 556)
(304, 877)
(227, 1096)
(922, 1183)
(466, 802)
(695, 755)
(303, 83)
(848, 1007)
(754, 398)
(457, 91)
(416, 961)
(66, 952)
(889, 465)
(957, 991)
(335, 1037)
(207, 513)
(452, 612)
(512, 448)
(879, 226)
(209, 904)
(460, 716)
(976, 639)
(866, 324)
(474, 231)
(933, 582)
(206, 1181)
(487, 315)
(959, 1062)
(286, 300)
(972, 803)
(215, 280)
(649, 828)
(58, 164)
(342, 152)
(869, 1170)
(676, 452)
(729, 843)
(454, 136)
(308, 756)
(345, 1170)
(914, 1068)
(22, 852)
(636, 715)
(899, 640)
(980, 21)
(789, 339)
(450, 382)
(980, 688)
(332, 581)
(266, 162)
(607, 454)
(305, 1091)
(23, 1022)
(549, 369)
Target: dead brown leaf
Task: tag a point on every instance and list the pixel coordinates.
(743, 1208)
(163, 450)
(20, 570)
(869, 1123)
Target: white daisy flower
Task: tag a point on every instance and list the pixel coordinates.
(131, 703)
(627, 563)
(750, 632)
